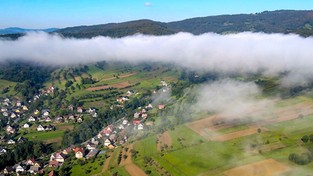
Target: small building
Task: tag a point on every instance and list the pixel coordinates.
(26, 125)
(79, 109)
(8, 170)
(10, 141)
(60, 157)
(25, 108)
(31, 119)
(53, 163)
(79, 152)
(107, 142)
(34, 169)
(19, 168)
(91, 146)
(140, 127)
(40, 128)
(92, 153)
(13, 115)
(161, 106)
(10, 130)
(125, 122)
(30, 162)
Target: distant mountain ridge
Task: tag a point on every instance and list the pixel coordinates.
(17, 30)
(280, 21)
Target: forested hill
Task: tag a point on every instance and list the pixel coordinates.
(281, 21)
(118, 29)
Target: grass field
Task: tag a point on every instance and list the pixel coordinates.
(90, 168)
(45, 136)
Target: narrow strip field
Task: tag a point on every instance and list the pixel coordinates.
(268, 167)
(117, 85)
(164, 140)
(128, 164)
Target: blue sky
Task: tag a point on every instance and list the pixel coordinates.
(64, 13)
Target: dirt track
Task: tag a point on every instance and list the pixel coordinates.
(130, 167)
(121, 76)
(117, 85)
(268, 167)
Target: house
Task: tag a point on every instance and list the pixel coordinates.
(71, 107)
(94, 115)
(92, 153)
(91, 146)
(130, 92)
(17, 111)
(2, 151)
(30, 162)
(18, 103)
(40, 128)
(121, 127)
(79, 152)
(34, 169)
(68, 150)
(107, 142)
(79, 109)
(60, 157)
(49, 127)
(31, 119)
(47, 119)
(79, 119)
(45, 112)
(36, 112)
(10, 141)
(5, 114)
(25, 125)
(136, 122)
(94, 141)
(144, 116)
(19, 168)
(4, 109)
(140, 127)
(136, 115)
(125, 122)
(53, 163)
(8, 170)
(161, 106)
(13, 115)
(10, 130)
(25, 108)
(111, 146)
(149, 106)
(71, 117)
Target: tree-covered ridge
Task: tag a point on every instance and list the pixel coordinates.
(282, 21)
(118, 29)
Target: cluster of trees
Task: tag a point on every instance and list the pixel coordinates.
(23, 151)
(305, 157)
(30, 76)
(87, 80)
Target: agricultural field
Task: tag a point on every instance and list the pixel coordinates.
(228, 150)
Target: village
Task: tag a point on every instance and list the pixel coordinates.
(20, 121)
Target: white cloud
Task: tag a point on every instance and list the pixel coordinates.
(243, 52)
(148, 4)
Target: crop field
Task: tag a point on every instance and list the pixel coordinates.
(260, 168)
(261, 147)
